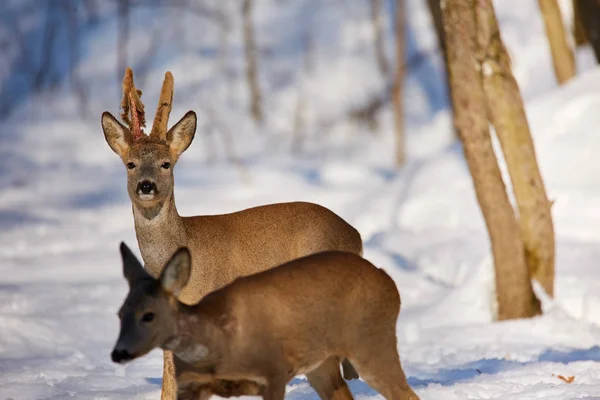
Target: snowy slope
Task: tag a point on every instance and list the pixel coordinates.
(64, 208)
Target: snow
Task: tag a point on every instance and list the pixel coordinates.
(64, 208)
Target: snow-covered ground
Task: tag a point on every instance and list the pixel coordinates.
(64, 208)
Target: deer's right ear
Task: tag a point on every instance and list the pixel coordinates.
(117, 136)
(132, 269)
(177, 272)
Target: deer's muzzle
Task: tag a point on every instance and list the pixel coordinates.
(146, 188)
(120, 356)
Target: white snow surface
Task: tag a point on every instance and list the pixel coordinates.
(64, 207)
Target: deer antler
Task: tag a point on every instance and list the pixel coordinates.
(131, 99)
(165, 103)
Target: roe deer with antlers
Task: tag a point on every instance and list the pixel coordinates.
(225, 246)
(255, 334)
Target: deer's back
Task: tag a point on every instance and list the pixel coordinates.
(228, 246)
(322, 301)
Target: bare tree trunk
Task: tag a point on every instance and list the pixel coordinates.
(397, 91)
(252, 62)
(578, 29)
(435, 9)
(122, 38)
(299, 124)
(377, 21)
(45, 66)
(562, 54)
(73, 38)
(587, 12)
(91, 11)
(505, 109)
(513, 287)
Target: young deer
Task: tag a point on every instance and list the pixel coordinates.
(255, 334)
(223, 247)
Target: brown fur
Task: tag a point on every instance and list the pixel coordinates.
(132, 98)
(165, 103)
(255, 334)
(225, 246)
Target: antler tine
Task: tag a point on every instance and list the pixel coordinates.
(132, 102)
(165, 103)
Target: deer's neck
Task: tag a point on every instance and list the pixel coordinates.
(160, 232)
(198, 341)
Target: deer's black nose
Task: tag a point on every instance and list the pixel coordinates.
(146, 187)
(120, 355)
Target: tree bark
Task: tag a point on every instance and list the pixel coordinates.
(563, 59)
(397, 91)
(587, 13)
(435, 9)
(122, 38)
(251, 62)
(578, 30)
(513, 286)
(376, 20)
(505, 109)
(77, 85)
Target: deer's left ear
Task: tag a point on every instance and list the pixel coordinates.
(177, 272)
(180, 136)
(132, 268)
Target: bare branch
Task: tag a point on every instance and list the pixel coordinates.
(251, 62)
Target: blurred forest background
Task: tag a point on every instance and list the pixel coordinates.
(300, 71)
(313, 78)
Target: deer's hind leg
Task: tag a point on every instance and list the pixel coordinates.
(327, 381)
(379, 366)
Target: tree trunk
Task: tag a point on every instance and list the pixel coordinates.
(77, 85)
(376, 20)
(513, 286)
(46, 65)
(587, 12)
(251, 62)
(397, 91)
(505, 109)
(562, 55)
(578, 30)
(122, 38)
(435, 9)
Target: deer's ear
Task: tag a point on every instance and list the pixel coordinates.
(132, 269)
(177, 272)
(117, 136)
(180, 136)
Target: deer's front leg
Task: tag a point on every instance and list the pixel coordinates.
(275, 389)
(169, 384)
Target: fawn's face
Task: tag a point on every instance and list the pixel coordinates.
(149, 160)
(149, 313)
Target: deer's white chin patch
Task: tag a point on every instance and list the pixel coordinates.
(192, 354)
(146, 197)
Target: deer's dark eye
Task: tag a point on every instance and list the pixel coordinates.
(148, 317)
(130, 165)
(166, 165)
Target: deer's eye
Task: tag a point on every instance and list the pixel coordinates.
(130, 165)
(166, 165)
(148, 317)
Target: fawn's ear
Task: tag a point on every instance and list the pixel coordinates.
(177, 272)
(117, 136)
(180, 136)
(133, 271)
